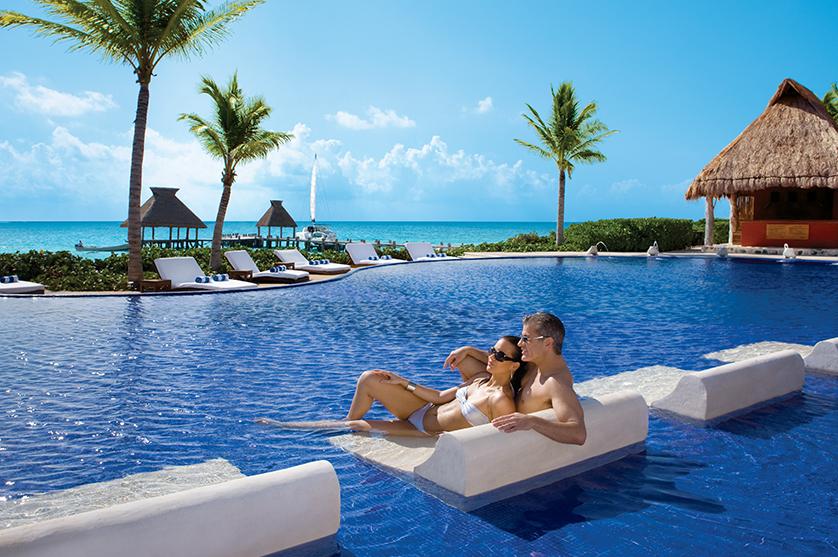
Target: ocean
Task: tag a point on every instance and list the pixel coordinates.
(56, 236)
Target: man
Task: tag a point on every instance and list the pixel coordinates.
(546, 384)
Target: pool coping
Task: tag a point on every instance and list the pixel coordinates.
(468, 256)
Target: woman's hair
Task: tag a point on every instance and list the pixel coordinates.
(522, 366)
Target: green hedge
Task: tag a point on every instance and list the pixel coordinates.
(721, 228)
(65, 271)
(618, 234)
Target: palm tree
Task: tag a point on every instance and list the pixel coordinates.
(830, 100)
(235, 137)
(569, 138)
(139, 33)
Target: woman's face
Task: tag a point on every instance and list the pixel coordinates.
(501, 356)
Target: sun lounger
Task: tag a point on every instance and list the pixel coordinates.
(303, 264)
(11, 284)
(424, 251)
(241, 261)
(364, 254)
(185, 274)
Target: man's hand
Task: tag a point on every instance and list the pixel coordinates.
(513, 422)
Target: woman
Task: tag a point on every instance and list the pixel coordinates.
(424, 411)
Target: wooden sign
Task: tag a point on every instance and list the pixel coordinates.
(786, 231)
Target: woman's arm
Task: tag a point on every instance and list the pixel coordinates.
(501, 405)
(425, 393)
(468, 360)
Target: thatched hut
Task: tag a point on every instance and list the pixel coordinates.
(276, 217)
(780, 175)
(164, 210)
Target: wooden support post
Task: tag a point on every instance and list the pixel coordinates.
(709, 222)
(734, 218)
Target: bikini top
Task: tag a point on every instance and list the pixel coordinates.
(471, 413)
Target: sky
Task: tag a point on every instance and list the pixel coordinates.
(413, 107)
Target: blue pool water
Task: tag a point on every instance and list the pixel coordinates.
(95, 389)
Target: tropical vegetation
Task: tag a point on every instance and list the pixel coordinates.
(140, 34)
(830, 100)
(570, 137)
(235, 136)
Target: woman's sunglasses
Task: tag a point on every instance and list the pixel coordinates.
(501, 356)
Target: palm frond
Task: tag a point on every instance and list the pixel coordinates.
(535, 149)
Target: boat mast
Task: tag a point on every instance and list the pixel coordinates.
(313, 195)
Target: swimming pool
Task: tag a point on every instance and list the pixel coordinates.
(95, 389)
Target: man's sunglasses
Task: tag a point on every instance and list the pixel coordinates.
(501, 356)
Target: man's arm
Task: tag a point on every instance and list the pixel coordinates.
(569, 426)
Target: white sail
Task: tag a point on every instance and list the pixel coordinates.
(313, 199)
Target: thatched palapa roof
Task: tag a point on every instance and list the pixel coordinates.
(277, 216)
(164, 209)
(793, 144)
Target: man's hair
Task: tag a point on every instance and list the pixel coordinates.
(548, 325)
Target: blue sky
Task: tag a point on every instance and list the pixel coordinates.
(412, 107)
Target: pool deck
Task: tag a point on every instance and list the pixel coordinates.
(318, 279)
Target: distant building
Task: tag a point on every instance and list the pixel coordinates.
(780, 175)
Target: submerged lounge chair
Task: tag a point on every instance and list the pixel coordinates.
(303, 264)
(241, 261)
(11, 284)
(185, 274)
(424, 251)
(364, 254)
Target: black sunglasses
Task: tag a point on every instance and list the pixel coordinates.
(501, 356)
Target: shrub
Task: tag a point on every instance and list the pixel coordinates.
(721, 229)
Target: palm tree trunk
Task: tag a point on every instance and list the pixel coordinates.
(560, 215)
(135, 190)
(215, 257)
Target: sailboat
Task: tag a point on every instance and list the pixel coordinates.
(316, 232)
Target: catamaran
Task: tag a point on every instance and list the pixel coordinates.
(316, 232)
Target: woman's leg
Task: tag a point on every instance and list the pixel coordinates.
(400, 402)
(399, 428)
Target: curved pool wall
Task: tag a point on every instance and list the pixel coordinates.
(96, 389)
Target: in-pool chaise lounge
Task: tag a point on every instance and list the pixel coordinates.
(424, 251)
(11, 284)
(364, 254)
(241, 261)
(185, 274)
(303, 264)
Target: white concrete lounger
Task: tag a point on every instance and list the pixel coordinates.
(733, 388)
(248, 517)
(183, 271)
(823, 358)
(301, 263)
(479, 465)
(361, 253)
(21, 287)
(241, 261)
(424, 251)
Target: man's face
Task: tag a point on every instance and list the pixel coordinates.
(533, 346)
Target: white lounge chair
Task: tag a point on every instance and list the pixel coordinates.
(241, 261)
(424, 251)
(185, 274)
(11, 284)
(364, 254)
(303, 264)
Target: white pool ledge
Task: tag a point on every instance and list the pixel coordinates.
(252, 516)
(481, 464)
(733, 388)
(823, 359)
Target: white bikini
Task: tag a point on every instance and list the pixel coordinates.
(471, 413)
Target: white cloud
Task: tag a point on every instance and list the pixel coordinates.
(625, 186)
(484, 105)
(432, 164)
(376, 118)
(43, 100)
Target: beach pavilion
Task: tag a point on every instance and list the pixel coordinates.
(276, 217)
(780, 175)
(164, 210)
